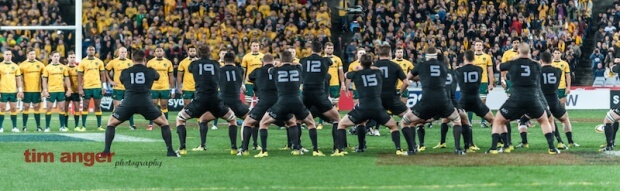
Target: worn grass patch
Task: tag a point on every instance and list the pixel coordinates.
(512, 159)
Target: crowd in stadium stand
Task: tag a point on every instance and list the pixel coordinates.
(607, 38)
(455, 24)
(25, 13)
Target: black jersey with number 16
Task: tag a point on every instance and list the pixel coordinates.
(206, 73)
(550, 79)
(138, 80)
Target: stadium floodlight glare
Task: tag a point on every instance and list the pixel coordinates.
(77, 28)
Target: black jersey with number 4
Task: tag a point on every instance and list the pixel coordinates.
(231, 78)
(138, 80)
(469, 79)
(314, 68)
(206, 73)
(550, 79)
(391, 73)
(524, 75)
(433, 76)
(264, 82)
(368, 83)
(288, 80)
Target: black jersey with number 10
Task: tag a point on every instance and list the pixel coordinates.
(469, 79)
(206, 73)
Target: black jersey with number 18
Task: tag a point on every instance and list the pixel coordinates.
(138, 80)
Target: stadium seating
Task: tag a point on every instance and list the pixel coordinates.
(607, 37)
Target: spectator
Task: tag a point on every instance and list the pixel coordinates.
(596, 58)
(599, 71)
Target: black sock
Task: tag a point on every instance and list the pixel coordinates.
(288, 138)
(109, 136)
(76, 119)
(407, 133)
(299, 135)
(361, 137)
(457, 130)
(471, 135)
(37, 119)
(508, 134)
(25, 118)
(204, 128)
(377, 125)
(255, 137)
(182, 136)
(494, 140)
(444, 132)
(167, 135)
(615, 126)
(247, 132)
(549, 137)
(466, 137)
(232, 134)
(263, 139)
(524, 137)
(504, 136)
(523, 120)
(293, 133)
(556, 133)
(421, 133)
(396, 139)
(334, 138)
(340, 134)
(609, 133)
(569, 137)
(313, 138)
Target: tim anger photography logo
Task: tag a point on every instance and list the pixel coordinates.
(87, 158)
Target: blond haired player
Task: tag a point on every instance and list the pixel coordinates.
(91, 74)
(31, 70)
(406, 65)
(55, 79)
(336, 82)
(250, 62)
(163, 89)
(11, 88)
(116, 66)
(74, 98)
(486, 63)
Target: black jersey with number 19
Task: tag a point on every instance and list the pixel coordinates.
(206, 73)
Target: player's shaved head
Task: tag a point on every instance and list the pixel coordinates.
(229, 57)
(268, 59)
(287, 56)
(385, 50)
(524, 49)
(469, 56)
(366, 60)
(545, 57)
(138, 56)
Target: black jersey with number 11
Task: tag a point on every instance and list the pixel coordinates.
(231, 78)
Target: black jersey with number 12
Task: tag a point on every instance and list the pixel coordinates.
(314, 68)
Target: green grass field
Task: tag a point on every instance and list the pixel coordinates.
(581, 168)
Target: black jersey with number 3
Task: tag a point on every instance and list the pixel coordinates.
(314, 68)
(369, 84)
(206, 73)
(391, 73)
(524, 74)
(469, 80)
(230, 82)
(433, 75)
(550, 79)
(288, 80)
(138, 80)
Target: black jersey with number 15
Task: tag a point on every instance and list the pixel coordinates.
(206, 74)
(524, 74)
(369, 83)
(138, 80)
